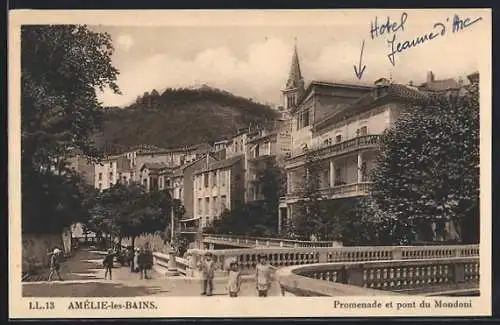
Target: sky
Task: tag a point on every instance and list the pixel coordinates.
(253, 60)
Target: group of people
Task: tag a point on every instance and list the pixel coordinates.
(139, 259)
(263, 276)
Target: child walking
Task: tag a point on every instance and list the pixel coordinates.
(263, 276)
(108, 263)
(234, 280)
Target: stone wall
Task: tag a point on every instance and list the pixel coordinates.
(35, 250)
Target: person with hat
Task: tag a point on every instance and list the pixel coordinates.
(234, 279)
(108, 263)
(135, 261)
(207, 268)
(55, 264)
(263, 276)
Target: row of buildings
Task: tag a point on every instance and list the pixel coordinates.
(340, 122)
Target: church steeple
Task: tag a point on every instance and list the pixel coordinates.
(294, 87)
(295, 79)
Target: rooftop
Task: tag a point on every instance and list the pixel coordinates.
(154, 166)
(222, 164)
(381, 94)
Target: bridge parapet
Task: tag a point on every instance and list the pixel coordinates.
(418, 276)
(283, 256)
(249, 241)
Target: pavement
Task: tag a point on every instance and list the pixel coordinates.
(83, 276)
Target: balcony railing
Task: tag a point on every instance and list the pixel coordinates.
(347, 190)
(326, 151)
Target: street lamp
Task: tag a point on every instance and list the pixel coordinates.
(172, 266)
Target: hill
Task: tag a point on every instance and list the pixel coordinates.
(180, 117)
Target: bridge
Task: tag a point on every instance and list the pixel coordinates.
(323, 268)
(213, 241)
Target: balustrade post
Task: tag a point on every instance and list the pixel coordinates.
(323, 257)
(458, 273)
(397, 253)
(353, 275)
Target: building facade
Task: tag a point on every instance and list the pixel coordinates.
(338, 126)
(217, 188)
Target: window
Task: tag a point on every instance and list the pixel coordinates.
(303, 119)
(338, 138)
(205, 179)
(223, 202)
(214, 178)
(214, 205)
(110, 165)
(223, 177)
(161, 182)
(363, 171)
(124, 179)
(100, 186)
(306, 118)
(200, 210)
(100, 176)
(207, 205)
(338, 180)
(111, 176)
(364, 130)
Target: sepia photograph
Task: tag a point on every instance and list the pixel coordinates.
(268, 154)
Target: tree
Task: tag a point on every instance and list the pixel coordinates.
(270, 180)
(428, 167)
(367, 224)
(54, 201)
(129, 211)
(61, 68)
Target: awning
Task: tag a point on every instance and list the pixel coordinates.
(190, 219)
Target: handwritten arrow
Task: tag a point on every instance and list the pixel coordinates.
(359, 70)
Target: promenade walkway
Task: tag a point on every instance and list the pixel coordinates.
(83, 276)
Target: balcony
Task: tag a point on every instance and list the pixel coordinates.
(336, 192)
(327, 151)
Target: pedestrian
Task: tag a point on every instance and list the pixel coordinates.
(207, 268)
(145, 261)
(55, 264)
(135, 261)
(108, 263)
(234, 280)
(263, 276)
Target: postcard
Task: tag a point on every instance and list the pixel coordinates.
(249, 163)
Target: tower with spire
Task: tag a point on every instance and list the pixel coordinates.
(294, 87)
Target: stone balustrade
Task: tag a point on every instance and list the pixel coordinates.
(184, 267)
(424, 276)
(247, 241)
(283, 256)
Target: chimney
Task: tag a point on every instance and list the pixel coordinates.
(430, 77)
